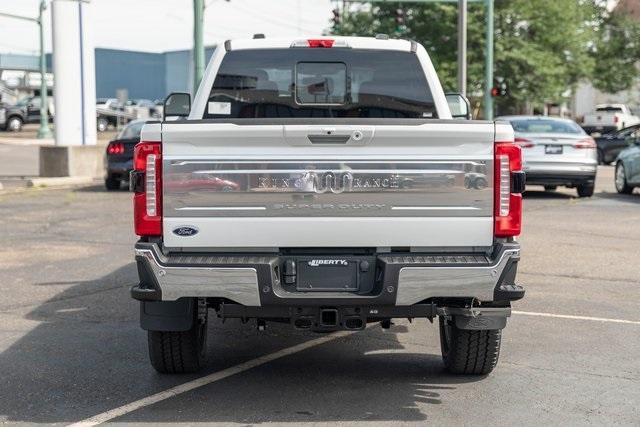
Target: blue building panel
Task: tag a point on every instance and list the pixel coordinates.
(10, 61)
(179, 69)
(178, 74)
(141, 73)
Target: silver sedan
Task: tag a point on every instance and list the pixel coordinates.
(556, 152)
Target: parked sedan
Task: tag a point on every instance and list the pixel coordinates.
(627, 175)
(556, 152)
(120, 155)
(610, 145)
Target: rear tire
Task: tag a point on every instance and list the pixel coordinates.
(550, 187)
(14, 124)
(585, 190)
(112, 184)
(622, 186)
(468, 352)
(179, 352)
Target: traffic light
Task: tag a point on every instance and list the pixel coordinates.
(400, 17)
(336, 16)
(499, 88)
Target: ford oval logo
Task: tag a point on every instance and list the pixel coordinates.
(185, 231)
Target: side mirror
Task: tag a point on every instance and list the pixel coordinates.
(177, 104)
(459, 106)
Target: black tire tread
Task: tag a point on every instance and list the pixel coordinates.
(112, 184)
(472, 352)
(586, 190)
(174, 352)
(627, 189)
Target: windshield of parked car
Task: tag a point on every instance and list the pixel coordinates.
(545, 126)
(131, 131)
(307, 82)
(26, 101)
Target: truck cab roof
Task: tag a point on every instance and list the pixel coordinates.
(343, 42)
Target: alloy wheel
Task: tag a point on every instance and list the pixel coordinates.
(620, 179)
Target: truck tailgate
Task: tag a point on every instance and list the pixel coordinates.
(314, 185)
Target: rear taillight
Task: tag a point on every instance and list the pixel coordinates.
(509, 183)
(115, 148)
(147, 201)
(615, 119)
(585, 143)
(524, 142)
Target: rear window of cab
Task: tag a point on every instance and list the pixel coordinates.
(336, 82)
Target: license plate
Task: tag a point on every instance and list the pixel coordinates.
(327, 275)
(553, 149)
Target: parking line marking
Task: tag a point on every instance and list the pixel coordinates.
(569, 316)
(208, 379)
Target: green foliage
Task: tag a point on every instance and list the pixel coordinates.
(543, 48)
(617, 52)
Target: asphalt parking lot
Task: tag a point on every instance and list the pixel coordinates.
(71, 348)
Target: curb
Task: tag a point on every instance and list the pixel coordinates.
(62, 181)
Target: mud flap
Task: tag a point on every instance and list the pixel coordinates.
(167, 316)
(481, 322)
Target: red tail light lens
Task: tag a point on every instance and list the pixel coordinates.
(326, 43)
(524, 142)
(507, 205)
(115, 148)
(585, 143)
(147, 204)
(615, 119)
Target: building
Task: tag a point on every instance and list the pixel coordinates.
(142, 74)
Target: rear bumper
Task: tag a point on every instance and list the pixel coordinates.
(256, 280)
(602, 129)
(560, 178)
(119, 169)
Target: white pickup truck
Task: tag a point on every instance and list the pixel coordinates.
(608, 118)
(324, 183)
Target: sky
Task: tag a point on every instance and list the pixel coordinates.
(163, 25)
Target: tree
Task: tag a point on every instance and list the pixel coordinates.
(616, 54)
(543, 48)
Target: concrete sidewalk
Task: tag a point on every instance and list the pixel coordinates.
(18, 160)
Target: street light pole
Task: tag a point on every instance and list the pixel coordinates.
(488, 62)
(198, 48)
(462, 47)
(44, 131)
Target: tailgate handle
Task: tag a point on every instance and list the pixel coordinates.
(329, 139)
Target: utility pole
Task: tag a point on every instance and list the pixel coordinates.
(198, 48)
(462, 47)
(488, 59)
(44, 131)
